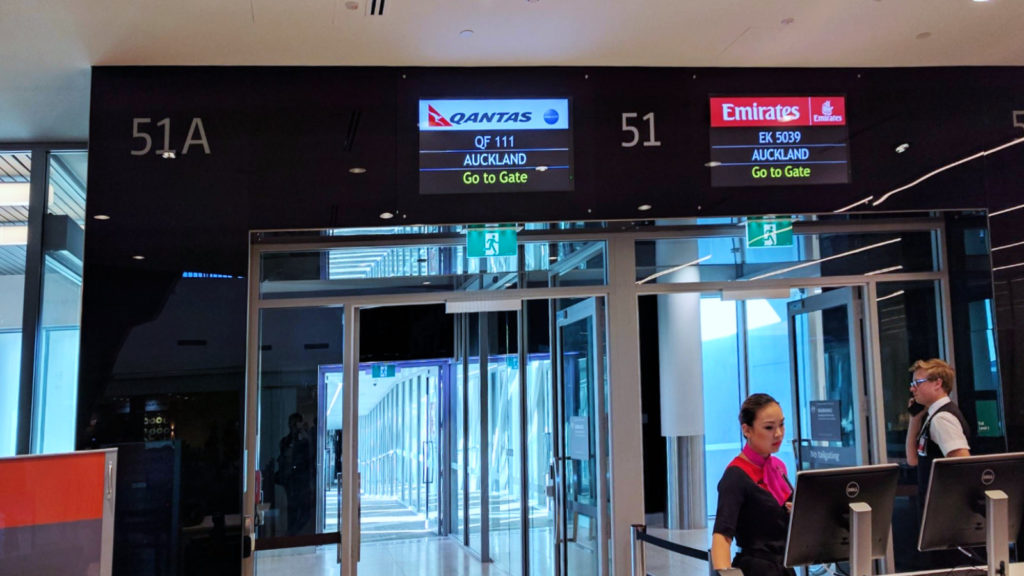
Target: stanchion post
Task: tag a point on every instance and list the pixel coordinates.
(860, 539)
(636, 551)
(997, 531)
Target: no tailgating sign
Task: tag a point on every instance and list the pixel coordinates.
(779, 140)
(489, 146)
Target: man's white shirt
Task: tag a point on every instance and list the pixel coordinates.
(944, 428)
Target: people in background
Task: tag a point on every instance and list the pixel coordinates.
(755, 496)
(937, 428)
(295, 473)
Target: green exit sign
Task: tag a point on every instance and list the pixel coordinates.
(769, 232)
(384, 370)
(482, 242)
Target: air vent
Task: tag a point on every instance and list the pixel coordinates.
(316, 346)
(374, 7)
(353, 125)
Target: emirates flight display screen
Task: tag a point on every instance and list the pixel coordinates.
(779, 141)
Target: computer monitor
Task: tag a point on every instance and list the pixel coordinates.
(954, 509)
(819, 528)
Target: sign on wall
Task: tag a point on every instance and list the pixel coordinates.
(776, 141)
(488, 146)
(487, 241)
(769, 232)
(826, 421)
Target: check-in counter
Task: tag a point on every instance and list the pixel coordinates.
(57, 513)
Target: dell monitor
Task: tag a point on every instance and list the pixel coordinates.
(825, 503)
(955, 509)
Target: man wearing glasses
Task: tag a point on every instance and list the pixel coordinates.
(937, 428)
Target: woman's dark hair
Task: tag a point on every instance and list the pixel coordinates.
(752, 405)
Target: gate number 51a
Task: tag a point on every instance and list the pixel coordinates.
(627, 118)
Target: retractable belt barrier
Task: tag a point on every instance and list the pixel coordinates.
(638, 535)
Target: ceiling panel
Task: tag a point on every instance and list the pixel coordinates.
(48, 47)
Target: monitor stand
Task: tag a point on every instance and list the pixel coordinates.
(860, 539)
(997, 520)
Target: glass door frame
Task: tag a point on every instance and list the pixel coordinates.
(592, 310)
(349, 540)
(847, 298)
(621, 292)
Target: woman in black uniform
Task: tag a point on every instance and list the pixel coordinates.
(754, 496)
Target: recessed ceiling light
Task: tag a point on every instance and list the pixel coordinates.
(902, 148)
(466, 33)
(101, 217)
(923, 35)
(713, 163)
(643, 207)
(426, 282)
(386, 215)
(542, 168)
(138, 257)
(168, 156)
(357, 170)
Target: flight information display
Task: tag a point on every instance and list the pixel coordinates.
(488, 146)
(776, 141)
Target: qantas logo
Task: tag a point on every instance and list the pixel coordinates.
(494, 114)
(435, 118)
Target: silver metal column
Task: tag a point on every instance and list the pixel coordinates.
(860, 539)
(997, 532)
(681, 389)
(637, 557)
(686, 501)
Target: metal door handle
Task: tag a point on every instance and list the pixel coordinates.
(110, 480)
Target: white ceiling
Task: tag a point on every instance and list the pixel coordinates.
(47, 46)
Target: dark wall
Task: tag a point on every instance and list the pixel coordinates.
(281, 141)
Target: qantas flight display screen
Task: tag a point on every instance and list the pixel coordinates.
(486, 146)
(771, 140)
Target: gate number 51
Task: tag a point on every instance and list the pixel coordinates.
(627, 117)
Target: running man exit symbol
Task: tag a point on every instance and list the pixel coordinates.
(769, 232)
(482, 242)
(491, 243)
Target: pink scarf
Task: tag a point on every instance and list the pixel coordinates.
(773, 473)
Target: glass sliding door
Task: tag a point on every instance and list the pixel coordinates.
(539, 421)
(582, 394)
(297, 419)
(398, 443)
(827, 360)
(60, 305)
(402, 381)
(15, 174)
(330, 402)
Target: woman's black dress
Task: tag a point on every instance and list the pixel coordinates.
(750, 514)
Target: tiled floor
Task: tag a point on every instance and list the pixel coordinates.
(418, 557)
(440, 556)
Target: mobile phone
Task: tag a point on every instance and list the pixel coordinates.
(915, 408)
